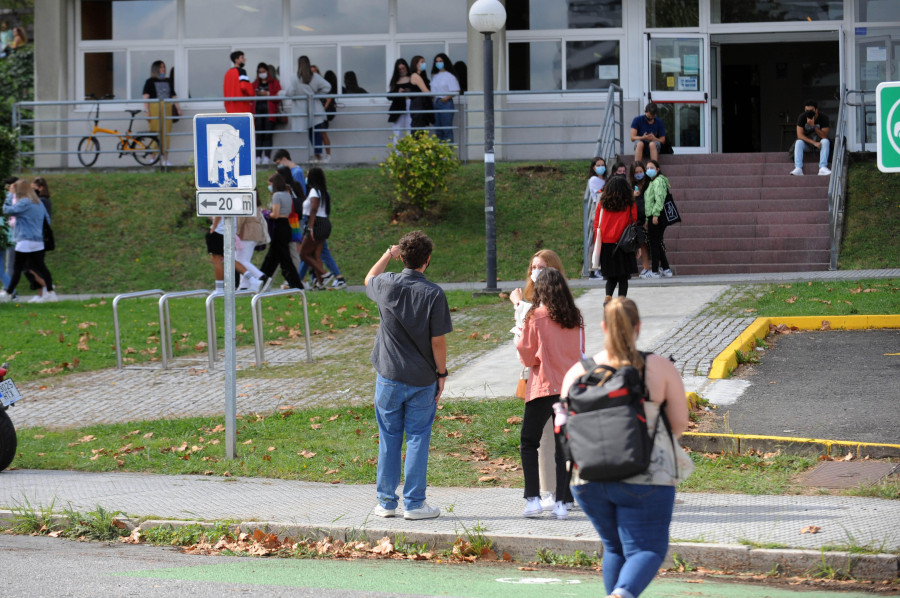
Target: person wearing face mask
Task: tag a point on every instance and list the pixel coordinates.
(522, 301)
(265, 86)
(596, 181)
(619, 210)
(160, 87)
(648, 133)
(654, 199)
(307, 83)
(443, 80)
(421, 107)
(237, 84)
(279, 253)
(639, 181)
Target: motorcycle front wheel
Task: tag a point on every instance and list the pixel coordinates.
(7, 440)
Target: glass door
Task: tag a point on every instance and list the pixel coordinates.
(679, 84)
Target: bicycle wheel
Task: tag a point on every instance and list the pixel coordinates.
(145, 149)
(88, 150)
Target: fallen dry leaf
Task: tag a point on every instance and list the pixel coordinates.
(810, 529)
(306, 454)
(515, 419)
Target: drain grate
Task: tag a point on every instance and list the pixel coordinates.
(847, 474)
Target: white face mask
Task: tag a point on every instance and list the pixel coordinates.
(535, 273)
(263, 76)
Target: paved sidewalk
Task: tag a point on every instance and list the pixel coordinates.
(708, 529)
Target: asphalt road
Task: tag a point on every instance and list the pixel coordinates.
(39, 566)
(838, 385)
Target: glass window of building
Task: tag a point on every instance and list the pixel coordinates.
(134, 19)
(535, 66)
(104, 74)
(206, 72)
(676, 64)
(524, 15)
(673, 13)
(877, 11)
(218, 20)
(339, 17)
(416, 16)
(774, 11)
(592, 64)
(426, 50)
(368, 63)
(256, 55)
(141, 61)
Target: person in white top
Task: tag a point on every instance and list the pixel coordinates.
(306, 82)
(443, 80)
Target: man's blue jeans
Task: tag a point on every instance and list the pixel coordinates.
(403, 408)
(633, 522)
(801, 146)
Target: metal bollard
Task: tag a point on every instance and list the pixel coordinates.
(115, 308)
(256, 310)
(166, 350)
(211, 338)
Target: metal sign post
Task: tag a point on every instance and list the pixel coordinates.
(887, 110)
(225, 177)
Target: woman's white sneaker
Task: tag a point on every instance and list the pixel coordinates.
(561, 511)
(533, 507)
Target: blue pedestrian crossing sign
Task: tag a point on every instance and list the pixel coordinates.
(224, 152)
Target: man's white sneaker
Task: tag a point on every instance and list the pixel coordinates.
(561, 511)
(423, 512)
(667, 273)
(5, 297)
(824, 171)
(51, 297)
(36, 299)
(797, 172)
(383, 512)
(533, 508)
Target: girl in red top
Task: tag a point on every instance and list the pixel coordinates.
(552, 340)
(618, 211)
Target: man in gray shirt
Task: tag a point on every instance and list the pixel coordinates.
(410, 358)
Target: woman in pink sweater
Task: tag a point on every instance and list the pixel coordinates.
(552, 341)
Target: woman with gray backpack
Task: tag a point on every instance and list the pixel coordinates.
(627, 491)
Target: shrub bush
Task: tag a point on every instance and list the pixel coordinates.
(418, 166)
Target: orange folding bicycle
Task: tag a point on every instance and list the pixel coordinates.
(144, 146)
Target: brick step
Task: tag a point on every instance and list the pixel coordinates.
(736, 182)
(698, 217)
(701, 169)
(724, 231)
(736, 158)
(759, 256)
(747, 244)
(743, 268)
(773, 198)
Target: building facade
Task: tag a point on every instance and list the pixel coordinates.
(731, 75)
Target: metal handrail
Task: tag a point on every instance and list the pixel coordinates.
(115, 309)
(605, 148)
(166, 349)
(256, 311)
(837, 184)
(212, 343)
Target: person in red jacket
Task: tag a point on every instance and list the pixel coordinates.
(618, 210)
(237, 84)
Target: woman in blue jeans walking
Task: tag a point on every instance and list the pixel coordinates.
(633, 515)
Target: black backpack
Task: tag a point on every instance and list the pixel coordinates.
(606, 437)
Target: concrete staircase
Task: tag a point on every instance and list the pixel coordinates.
(744, 213)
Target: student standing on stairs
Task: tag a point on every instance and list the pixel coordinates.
(654, 198)
(812, 134)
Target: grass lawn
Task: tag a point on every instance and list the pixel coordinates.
(119, 232)
(872, 219)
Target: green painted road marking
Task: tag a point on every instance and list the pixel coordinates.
(465, 581)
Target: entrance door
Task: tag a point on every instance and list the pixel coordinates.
(679, 84)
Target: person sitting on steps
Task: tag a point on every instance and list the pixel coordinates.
(812, 134)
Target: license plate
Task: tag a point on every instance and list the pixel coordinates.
(9, 394)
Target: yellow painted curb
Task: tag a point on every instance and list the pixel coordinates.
(693, 400)
(726, 361)
(828, 445)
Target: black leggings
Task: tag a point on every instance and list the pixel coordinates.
(264, 128)
(279, 254)
(29, 261)
(657, 246)
(537, 412)
(611, 283)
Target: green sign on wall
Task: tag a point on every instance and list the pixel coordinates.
(887, 107)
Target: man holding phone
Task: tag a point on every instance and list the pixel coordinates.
(812, 134)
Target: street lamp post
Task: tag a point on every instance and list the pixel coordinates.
(488, 17)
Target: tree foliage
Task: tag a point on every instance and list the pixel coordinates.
(17, 82)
